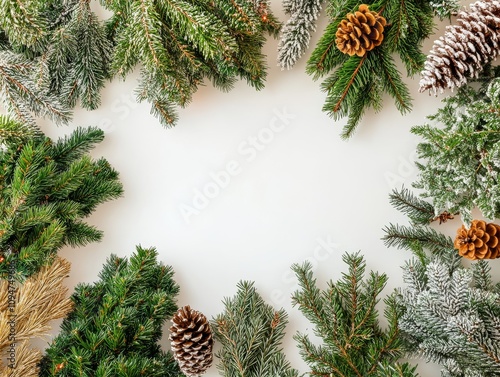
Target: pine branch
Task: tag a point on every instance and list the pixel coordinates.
(449, 320)
(180, 43)
(418, 211)
(250, 333)
(345, 318)
(22, 97)
(371, 69)
(459, 170)
(416, 238)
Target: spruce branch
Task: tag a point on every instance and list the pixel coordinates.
(47, 188)
(418, 211)
(181, 43)
(116, 323)
(39, 300)
(346, 319)
(250, 333)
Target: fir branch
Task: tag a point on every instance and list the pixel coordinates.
(346, 319)
(47, 188)
(250, 333)
(180, 43)
(450, 318)
(21, 95)
(415, 238)
(117, 322)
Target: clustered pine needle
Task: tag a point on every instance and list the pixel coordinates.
(39, 300)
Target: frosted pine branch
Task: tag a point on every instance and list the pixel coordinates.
(296, 33)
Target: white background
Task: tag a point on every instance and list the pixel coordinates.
(305, 188)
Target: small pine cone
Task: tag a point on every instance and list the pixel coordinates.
(480, 241)
(360, 32)
(464, 49)
(191, 341)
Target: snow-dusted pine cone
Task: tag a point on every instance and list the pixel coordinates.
(480, 241)
(360, 32)
(464, 49)
(191, 341)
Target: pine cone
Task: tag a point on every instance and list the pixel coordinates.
(191, 341)
(464, 49)
(480, 241)
(360, 32)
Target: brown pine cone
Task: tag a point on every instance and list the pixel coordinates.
(191, 341)
(360, 32)
(480, 241)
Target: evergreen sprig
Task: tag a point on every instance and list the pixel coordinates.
(346, 319)
(418, 236)
(250, 333)
(296, 33)
(46, 189)
(353, 83)
(181, 43)
(445, 8)
(116, 323)
(460, 157)
(451, 316)
(54, 53)
(58, 52)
